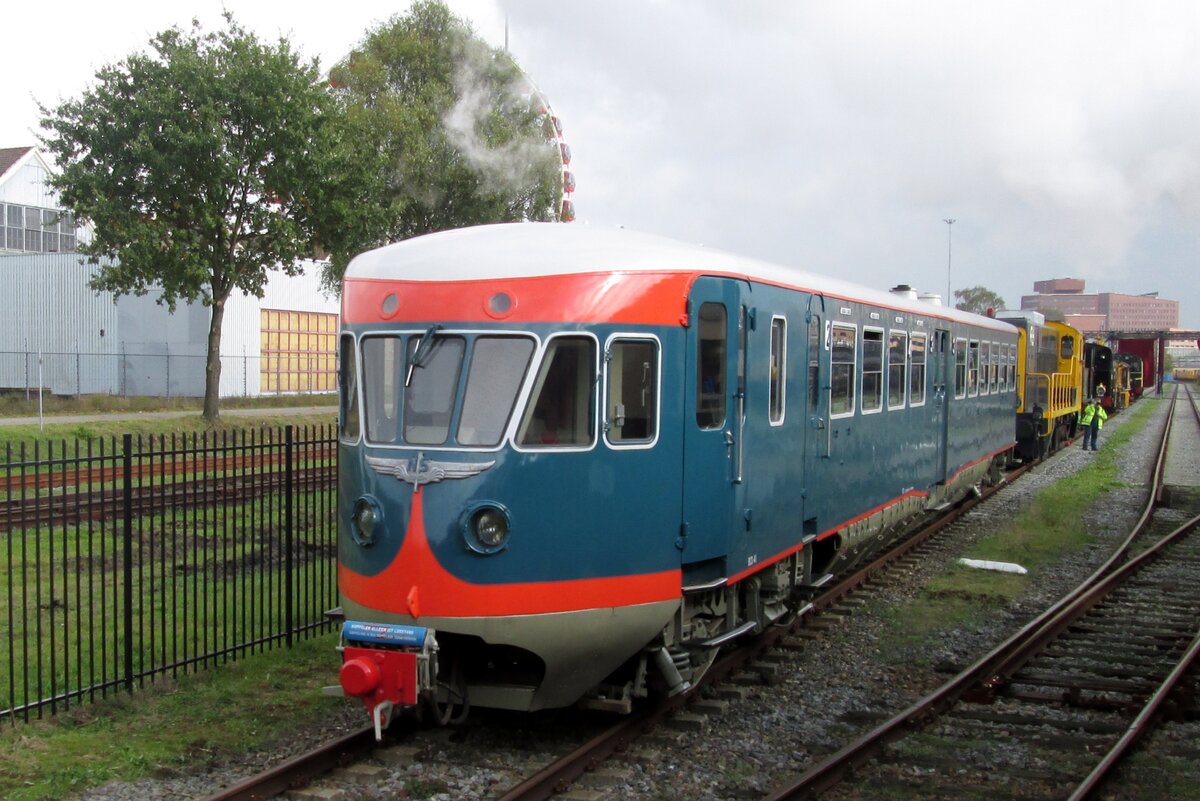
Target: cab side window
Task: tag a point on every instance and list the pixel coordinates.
(561, 409)
(631, 380)
(710, 371)
(348, 380)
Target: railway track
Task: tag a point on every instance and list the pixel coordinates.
(566, 758)
(1052, 711)
(596, 741)
(30, 471)
(70, 507)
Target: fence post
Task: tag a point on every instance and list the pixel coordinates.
(289, 534)
(127, 524)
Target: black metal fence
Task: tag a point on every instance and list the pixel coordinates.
(126, 559)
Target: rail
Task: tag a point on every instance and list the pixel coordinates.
(991, 671)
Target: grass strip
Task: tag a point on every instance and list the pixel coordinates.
(1054, 524)
(254, 704)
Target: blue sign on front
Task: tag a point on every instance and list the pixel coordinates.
(383, 633)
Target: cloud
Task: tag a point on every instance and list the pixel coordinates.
(1063, 137)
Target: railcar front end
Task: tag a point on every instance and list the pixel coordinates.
(499, 545)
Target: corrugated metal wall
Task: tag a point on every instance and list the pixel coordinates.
(89, 344)
(51, 310)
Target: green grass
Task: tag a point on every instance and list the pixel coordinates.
(246, 706)
(182, 720)
(909, 629)
(207, 581)
(15, 404)
(16, 435)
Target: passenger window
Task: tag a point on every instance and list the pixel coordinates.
(778, 368)
(710, 371)
(960, 368)
(994, 366)
(841, 377)
(348, 380)
(973, 369)
(872, 370)
(561, 407)
(897, 368)
(916, 390)
(632, 388)
(985, 368)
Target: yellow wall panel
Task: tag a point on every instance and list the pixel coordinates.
(297, 351)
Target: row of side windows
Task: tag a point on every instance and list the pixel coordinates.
(893, 368)
(983, 368)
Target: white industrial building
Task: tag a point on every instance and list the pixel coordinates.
(63, 336)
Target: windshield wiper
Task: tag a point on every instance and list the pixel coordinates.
(422, 352)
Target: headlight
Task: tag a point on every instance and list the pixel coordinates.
(367, 518)
(486, 527)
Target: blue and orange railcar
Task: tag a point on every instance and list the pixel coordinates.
(574, 462)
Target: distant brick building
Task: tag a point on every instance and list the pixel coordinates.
(1103, 311)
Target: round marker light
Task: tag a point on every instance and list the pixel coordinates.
(486, 528)
(366, 520)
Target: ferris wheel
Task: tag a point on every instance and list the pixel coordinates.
(566, 212)
(554, 135)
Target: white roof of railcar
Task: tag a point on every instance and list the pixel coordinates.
(527, 250)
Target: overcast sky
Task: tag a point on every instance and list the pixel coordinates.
(1063, 138)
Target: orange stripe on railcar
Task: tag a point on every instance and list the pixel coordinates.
(416, 584)
(643, 298)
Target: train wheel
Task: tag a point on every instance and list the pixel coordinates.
(454, 709)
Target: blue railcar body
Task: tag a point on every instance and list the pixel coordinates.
(733, 432)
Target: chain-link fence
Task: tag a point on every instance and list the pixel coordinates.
(165, 373)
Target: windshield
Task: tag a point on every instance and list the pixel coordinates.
(412, 399)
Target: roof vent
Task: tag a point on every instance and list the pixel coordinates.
(904, 291)
(932, 298)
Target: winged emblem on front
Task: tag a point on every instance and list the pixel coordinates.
(419, 470)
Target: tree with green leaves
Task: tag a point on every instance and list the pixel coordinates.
(441, 131)
(977, 299)
(199, 166)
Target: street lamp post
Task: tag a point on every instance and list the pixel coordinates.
(949, 222)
